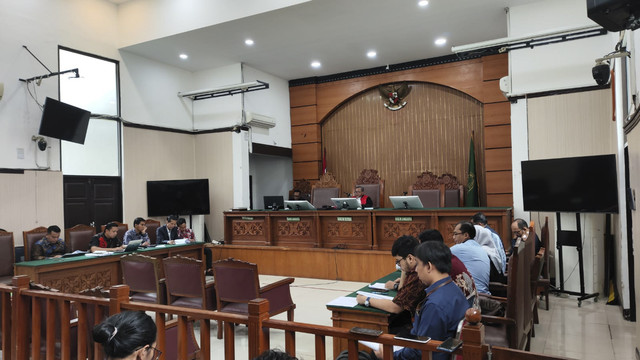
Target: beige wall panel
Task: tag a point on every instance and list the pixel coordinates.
(497, 113)
(497, 136)
(303, 115)
(214, 161)
(431, 132)
(306, 152)
(495, 66)
(29, 200)
(152, 155)
(499, 182)
(557, 125)
(302, 95)
(497, 159)
(491, 92)
(305, 134)
(307, 170)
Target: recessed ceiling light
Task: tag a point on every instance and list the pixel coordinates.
(423, 3)
(371, 54)
(440, 41)
(248, 42)
(183, 56)
(315, 64)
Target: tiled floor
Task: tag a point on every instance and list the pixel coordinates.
(593, 331)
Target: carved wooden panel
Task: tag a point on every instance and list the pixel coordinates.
(368, 176)
(294, 229)
(426, 180)
(450, 181)
(74, 280)
(391, 226)
(327, 180)
(249, 230)
(346, 229)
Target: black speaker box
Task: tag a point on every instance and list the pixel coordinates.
(615, 15)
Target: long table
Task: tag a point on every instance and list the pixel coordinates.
(351, 229)
(74, 274)
(361, 316)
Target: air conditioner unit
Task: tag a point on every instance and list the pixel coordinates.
(261, 121)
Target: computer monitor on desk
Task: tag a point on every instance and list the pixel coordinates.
(347, 203)
(273, 202)
(298, 205)
(406, 202)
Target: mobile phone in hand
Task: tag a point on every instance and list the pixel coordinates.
(450, 345)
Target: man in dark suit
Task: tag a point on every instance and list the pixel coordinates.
(166, 234)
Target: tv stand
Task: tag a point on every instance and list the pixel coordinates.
(572, 238)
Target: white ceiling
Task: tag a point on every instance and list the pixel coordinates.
(338, 33)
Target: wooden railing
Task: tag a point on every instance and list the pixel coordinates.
(17, 299)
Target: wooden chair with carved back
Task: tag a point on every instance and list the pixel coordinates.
(78, 237)
(152, 227)
(451, 191)
(325, 189)
(427, 188)
(30, 237)
(122, 229)
(543, 281)
(305, 189)
(373, 186)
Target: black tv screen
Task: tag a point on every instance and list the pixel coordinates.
(586, 184)
(63, 121)
(178, 197)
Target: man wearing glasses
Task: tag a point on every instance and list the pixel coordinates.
(472, 255)
(410, 289)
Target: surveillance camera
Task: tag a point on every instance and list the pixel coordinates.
(42, 144)
(601, 73)
(236, 129)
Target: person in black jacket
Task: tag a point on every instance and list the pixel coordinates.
(166, 234)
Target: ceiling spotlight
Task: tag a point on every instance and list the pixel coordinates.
(248, 42)
(315, 64)
(440, 41)
(423, 3)
(371, 54)
(183, 56)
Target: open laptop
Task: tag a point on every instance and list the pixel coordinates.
(132, 246)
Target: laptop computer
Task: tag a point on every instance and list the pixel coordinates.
(132, 246)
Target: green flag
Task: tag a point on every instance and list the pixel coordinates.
(471, 198)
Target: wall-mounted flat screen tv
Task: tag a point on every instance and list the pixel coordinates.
(586, 184)
(63, 121)
(178, 197)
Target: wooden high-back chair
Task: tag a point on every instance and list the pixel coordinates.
(152, 227)
(305, 189)
(373, 186)
(451, 191)
(30, 237)
(7, 257)
(122, 229)
(427, 188)
(325, 189)
(78, 237)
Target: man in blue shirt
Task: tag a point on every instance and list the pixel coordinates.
(440, 313)
(139, 232)
(472, 255)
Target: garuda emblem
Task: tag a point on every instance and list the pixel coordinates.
(394, 95)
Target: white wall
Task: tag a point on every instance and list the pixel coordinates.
(272, 175)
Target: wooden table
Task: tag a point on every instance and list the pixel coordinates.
(351, 229)
(360, 315)
(78, 273)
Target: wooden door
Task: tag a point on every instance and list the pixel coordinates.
(92, 200)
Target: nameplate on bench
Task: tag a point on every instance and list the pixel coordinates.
(344, 218)
(404, 218)
(289, 218)
(249, 218)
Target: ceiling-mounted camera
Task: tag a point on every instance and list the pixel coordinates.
(601, 73)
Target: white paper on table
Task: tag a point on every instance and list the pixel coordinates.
(375, 296)
(98, 253)
(343, 301)
(377, 286)
(375, 346)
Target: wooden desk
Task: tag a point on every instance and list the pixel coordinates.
(360, 315)
(351, 229)
(78, 273)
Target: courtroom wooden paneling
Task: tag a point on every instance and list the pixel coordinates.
(306, 170)
(499, 199)
(497, 113)
(306, 152)
(347, 319)
(390, 225)
(497, 136)
(495, 66)
(294, 228)
(247, 228)
(302, 95)
(349, 229)
(497, 159)
(303, 115)
(491, 92)
(499, 182)
(305, 134)
(333, 264)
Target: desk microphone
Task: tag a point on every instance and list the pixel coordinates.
(348, 194)
(404, 193)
